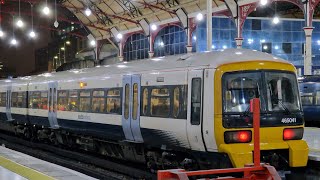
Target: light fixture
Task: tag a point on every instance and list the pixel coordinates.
(161, 44)
(46, 9)
(154, 27)
(119, 36)
(276, 47)
(263, 2)
(19, 22)
(199, 16)
(195, 38)
(32, 34)
(87, 12)
(13, 41)
(213, 46)
(250, 41)
(224, 47)
(55, 57)
(265, 47)
(92, 42)
(68, 42)
(1, 33)
(263, 41)
(275, 20)
(62, 48)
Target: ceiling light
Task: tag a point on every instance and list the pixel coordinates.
(87, 12)
(276, 47)
(154, 27)
(119, 36)
(161, 44)
(62, 48)
(212, 46)
(92, 42)
(265, 47)
(275, 20)
(195, 38)
(13, 41)
(224, 47)
(56, 57)
(263, 2)
(46, 10)
(20, 23)
(199, 16)
(32, 34)
(68, 42)
(1, 33)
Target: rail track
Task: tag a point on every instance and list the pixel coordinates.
(92, 165)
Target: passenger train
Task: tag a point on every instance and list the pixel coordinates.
(189, 111)
(310, 96)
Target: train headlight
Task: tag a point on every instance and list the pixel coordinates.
(293, 134)
(237, 137)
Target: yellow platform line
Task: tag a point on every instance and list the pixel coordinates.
(22, 170)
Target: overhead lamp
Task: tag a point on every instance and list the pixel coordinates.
(263, 2)
(13, 41)
(265, 47)
(195, 38)
(68, 42)
(154, 27)
(119, 36)
(46, 10)
(161, 44)
(32, 34)
(62, 48)
(199, 16)
(87, 12)
(55, 57)
(275, 20)
(92, 42)
(1, 33)
(20, 23)
(224, 47)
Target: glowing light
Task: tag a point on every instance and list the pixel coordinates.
(195, 38)
(238, 53)
(62, 48)
(262, 40)
(68, 42)
(243, 136)
(199, 16)
(13, 41)
(46, 10)
(92, 42)
(224, 47)
(276, 47)
(119, 36)
(154, 27)
(32, 34)
(20, 23)
(263, 2)
(250, 41)
(318, 42)
(122, 66)
(1, 33)
(213, 47)
(87, 12)
(161, 44)
(56, 57)
(276, 20)
(265, 47)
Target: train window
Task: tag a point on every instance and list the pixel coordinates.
(34, 101)
(85, 99)
(126, 101)
(307, 100)
(73, 101)
(317, 99)
(44, 100)
(114, 101)
(196, 101)
(3, 99)
(62, 101)
(160, 102)
(135, 101)
(98, 101)
(176, 102)
(145, 101)
(14, 99)
(54, 97)
(21, 100)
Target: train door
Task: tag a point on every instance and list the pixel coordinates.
(8, 103)
(52, 105)
(194, 113)
(131, 107)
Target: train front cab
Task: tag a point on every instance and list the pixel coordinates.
(281, 128)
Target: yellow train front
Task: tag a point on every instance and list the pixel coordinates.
(282, 123)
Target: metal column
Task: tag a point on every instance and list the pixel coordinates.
(209, 25)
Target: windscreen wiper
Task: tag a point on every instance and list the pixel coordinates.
(284, 107)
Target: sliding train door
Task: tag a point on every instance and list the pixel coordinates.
(195, 109)
(131, 107)
(52, 102)
(8, 103)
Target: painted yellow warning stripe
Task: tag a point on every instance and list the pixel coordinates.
(23, 171)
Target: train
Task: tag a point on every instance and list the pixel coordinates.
(310, 98)
(183, 111)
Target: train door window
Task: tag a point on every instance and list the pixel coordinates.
(307, 99)
(176, 102)
(135, 101)
(54, 96)
(14, 98)
(73, 100)
(98, 101)
(85, 99)
(126, 101)
(114, 101)
(3, 99)
(196, 101)
(317, 99)
(145, 101)
(35, 100)
(44, 100)
(160, 102)
(62, 101)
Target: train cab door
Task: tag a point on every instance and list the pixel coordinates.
(52, 105)
(131, 107)
(194, 112)
(8, 103)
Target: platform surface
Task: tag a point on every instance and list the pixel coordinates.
(27, 167)
(6, 174)
(312, 136)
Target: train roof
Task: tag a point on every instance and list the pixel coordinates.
(211, 59)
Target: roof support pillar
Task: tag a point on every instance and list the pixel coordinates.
(151, 45)
(120, 56)
(191, 28)
(209, 25)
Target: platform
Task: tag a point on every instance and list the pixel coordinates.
(311, 135)
(19, 166)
